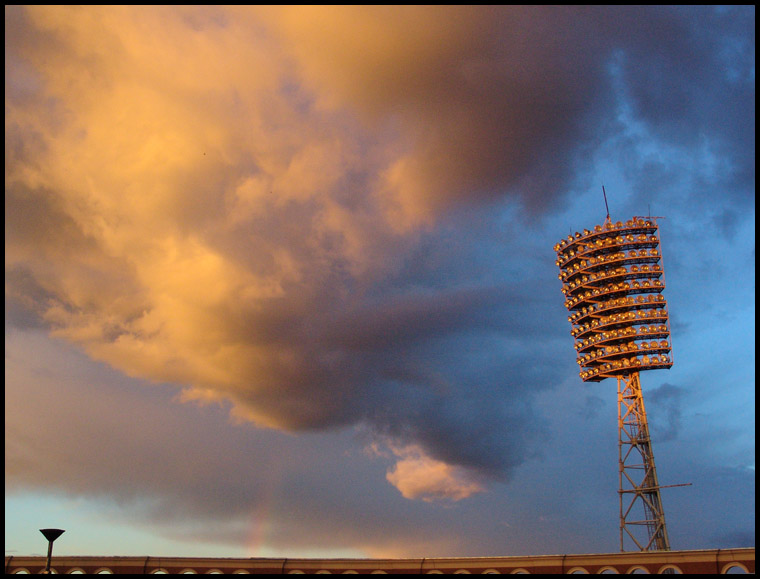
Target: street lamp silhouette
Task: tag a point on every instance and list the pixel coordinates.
(51, 535)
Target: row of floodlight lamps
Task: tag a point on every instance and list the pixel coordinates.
(604, 231)
(601, 293)
(635, 272)
(620, 304)
(655, 346)
(584, 250)
(610, 259)
(626, 366)
(625, 332)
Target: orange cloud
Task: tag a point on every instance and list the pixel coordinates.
(223, 189)
(418, 476)
(201, 200)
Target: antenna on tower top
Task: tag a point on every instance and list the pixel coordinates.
(605, 204)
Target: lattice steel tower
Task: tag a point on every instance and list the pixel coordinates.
(613, 280)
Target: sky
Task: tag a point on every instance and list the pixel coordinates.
(280, 281)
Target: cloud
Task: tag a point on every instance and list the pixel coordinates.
(477, 96)
(417, 476)
(669, 401)
(244, 203)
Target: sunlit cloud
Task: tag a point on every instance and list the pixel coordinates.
(418, 476)
(220, 224)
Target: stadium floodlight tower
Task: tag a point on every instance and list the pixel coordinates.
(613, 281)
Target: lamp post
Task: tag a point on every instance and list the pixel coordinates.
(51, 535)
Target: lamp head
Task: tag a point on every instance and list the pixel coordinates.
(52, 534)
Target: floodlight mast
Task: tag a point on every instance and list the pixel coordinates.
(613, 282)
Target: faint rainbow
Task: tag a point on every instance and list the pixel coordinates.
(262, 513)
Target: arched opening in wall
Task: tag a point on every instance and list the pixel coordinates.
(520, 572)
(214, 572)
(160, 571)
(21, 571)
(188, 572)
(491, 572)
(577, 571)
(75, 571)
(669, 570)
(637, 571)
(734, 569)
(104, 571)
(608, 571)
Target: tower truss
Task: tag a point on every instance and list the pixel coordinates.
(642, 520)
(613, 281)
